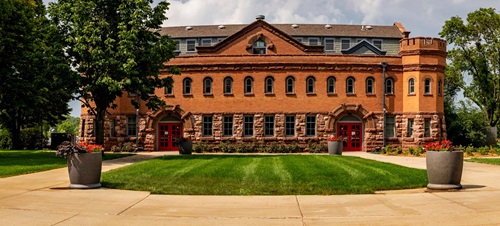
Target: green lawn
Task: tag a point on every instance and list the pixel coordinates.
(263, 175)
(494, 161)
(14, 163)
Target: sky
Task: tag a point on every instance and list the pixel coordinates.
(421, 17)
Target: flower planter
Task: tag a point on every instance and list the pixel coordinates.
(444, 169)
(85, 170)
(186, 147)
(335, 147)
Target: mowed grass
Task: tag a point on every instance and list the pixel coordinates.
(263, 175)
(494, 161)
(14, 163)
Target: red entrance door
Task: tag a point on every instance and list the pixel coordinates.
(351, 133)
(167, 133)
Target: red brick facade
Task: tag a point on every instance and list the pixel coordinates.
(421, 60)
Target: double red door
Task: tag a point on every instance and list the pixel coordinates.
(352, 135)
(167, 133)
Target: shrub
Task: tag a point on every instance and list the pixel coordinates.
(469, 150)
(483, 150)
(292, 148)
(317, 147)
(5, 142)
(416, 151)
(202, 147)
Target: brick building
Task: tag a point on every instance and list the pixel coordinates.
(292, 83)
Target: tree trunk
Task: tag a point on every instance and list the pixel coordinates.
(99, 130)
(491, 135)
(15, 136)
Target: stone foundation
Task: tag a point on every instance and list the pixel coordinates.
(372, 137)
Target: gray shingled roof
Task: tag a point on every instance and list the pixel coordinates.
(337, 30)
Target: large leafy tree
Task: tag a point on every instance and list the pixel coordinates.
(475, 60)
(35, 78)
(116, 47)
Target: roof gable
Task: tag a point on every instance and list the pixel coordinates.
(363, 46)
(259, 30)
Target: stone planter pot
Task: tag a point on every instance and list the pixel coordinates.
(444, 169)
(335, 148)
(85, 170)
(186, 148)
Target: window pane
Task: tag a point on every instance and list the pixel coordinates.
(411, 86)
(191, 45)
(310, 125)
(329, 45)
(369, 86)
(112, 131)
(390, 126)
(410, 127)
(228, 86)
(131, 125)
(248, 85)
(208, 86)
(427, 127)
(227, 125)
(169, 90)
(346, 44)
(290, 125)
(427, 86)
(269, 125)
(259, 47)
(313, 42)
(377, 43)
(310, 85)
(389, 86)
(207, 125)
(187, 86)
(350, 85)
(248, 125)
(269, 85)
(331, 85)
(289, 85)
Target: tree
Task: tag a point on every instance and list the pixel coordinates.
(116, 47)
(476, 55)
(35, 77)
(70, 125)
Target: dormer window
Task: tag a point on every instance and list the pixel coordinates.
(259, 47)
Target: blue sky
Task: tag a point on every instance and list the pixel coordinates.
(421, 17)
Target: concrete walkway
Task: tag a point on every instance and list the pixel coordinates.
(43, 199)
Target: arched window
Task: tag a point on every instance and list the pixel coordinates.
(310, 84)
(187, 82)
(169, 90)
(349, 85)
(440, 87)
(411, 86)
(369, 85)
(427, 86)
(330, 85)
(259, 47)
(228, 85)
(389, 86)
(269, 85)
(248, 85)
(290, 85)
(207, 86)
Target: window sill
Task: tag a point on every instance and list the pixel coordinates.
(311, 94)
(228, 95)
(291, 94)
(270, 95)
(371, 95)
(389, 94)
(169, 96)
(208, 95)
(332, 94)
(351, 94)
(412, 95)
(428, 94)
(187, 95)
(249, 94)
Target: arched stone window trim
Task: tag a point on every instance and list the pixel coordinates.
(260, 36)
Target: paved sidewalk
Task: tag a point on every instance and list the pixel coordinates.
(43, 199)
